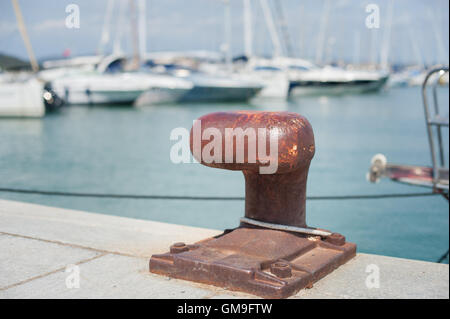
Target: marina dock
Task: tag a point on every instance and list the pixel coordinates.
(42, 245)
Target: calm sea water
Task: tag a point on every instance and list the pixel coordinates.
(126, 150)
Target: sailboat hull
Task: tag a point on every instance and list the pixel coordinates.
(219, 94)
(122, 88)
(101, 97)
(22, 99)
(308, 87)
(160, 96)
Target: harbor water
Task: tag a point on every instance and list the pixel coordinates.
(125, 150)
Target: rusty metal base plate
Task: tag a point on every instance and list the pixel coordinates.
(264, 262)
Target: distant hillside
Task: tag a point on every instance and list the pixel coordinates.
(8, 62)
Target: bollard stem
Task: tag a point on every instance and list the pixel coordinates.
(277, 198)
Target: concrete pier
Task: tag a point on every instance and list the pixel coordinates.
(48, 252)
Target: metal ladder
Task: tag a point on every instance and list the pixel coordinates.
(435, 121)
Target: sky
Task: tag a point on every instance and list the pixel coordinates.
(419, 32)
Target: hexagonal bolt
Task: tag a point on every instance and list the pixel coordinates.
(281, 269)
(336, 239)
(178, 248)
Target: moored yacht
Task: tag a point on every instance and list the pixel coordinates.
(271, 74)
(220, 86)
(214, 88)
(283, 77)
(313, 80)
(111, 84)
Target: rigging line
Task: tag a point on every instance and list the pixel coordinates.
(182, 197)
(282, 24)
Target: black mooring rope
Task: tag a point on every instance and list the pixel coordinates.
(182, 197)
(171, 197)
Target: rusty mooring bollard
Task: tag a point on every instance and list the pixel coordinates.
(279, 197)
(272, 253)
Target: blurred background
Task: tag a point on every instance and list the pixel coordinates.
(112, 79)
(199, 25)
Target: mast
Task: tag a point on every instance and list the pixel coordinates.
(301, 32)
(248, 35)
(357, 52)
(283, 28)
(117, 48)
(227, 44)
(24, 34)
(415, 46)
(387, 37)
(438, 35)
(142, 28)
(322, 31)
(277, 50)
(329, 50)
(134, 35)
(106, 27)
(373, 47)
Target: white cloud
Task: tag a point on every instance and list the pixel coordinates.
(6, 28)
(50, 24)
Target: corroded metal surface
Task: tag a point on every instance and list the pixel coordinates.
(275, 198)
(266, 262)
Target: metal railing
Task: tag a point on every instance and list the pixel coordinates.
(434, 123)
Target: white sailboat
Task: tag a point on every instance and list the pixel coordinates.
(114, 79)
(216, 84)
(286, 76)
(213, 80)
(294, 77)
(110, 84)
(333, 80)
(25, 94)
(214, 88)
(273, 77)
(21, 98)
(53, 69)
(224, 85)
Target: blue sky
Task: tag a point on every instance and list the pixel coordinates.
(199, 24)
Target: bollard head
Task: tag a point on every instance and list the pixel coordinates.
(249, 140)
